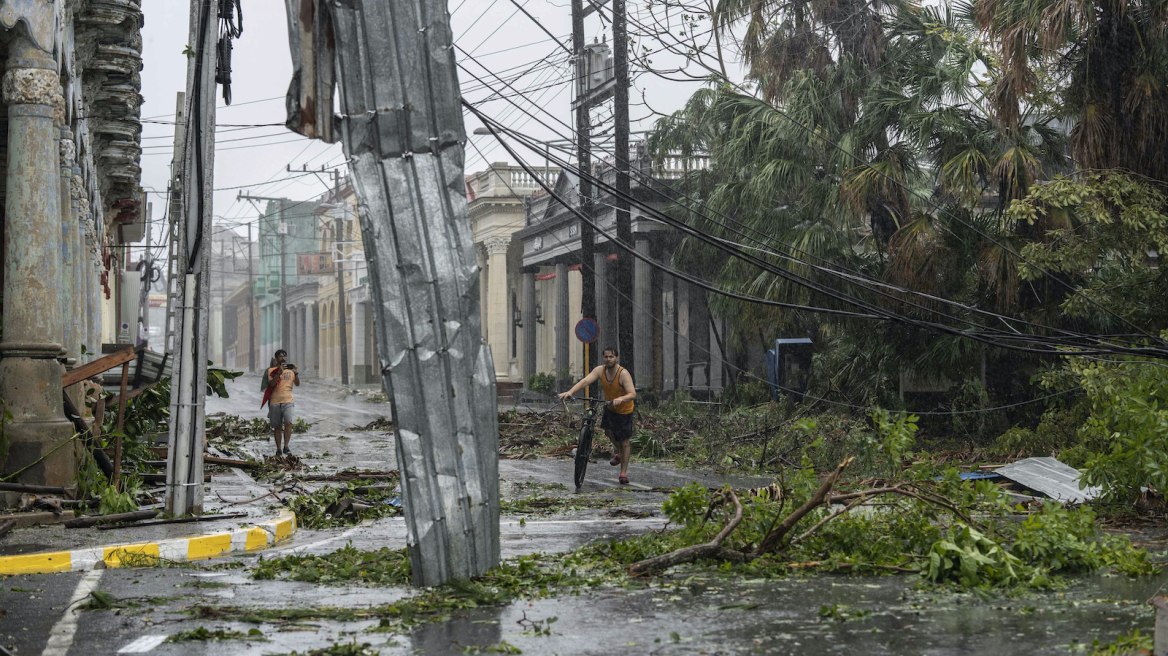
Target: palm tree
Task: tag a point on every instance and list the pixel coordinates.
(1106, 61)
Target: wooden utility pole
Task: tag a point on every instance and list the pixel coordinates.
(338, 249)
(588, 272)
(624, 224)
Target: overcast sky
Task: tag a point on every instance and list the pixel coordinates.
(494, 32)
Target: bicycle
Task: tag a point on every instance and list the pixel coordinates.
(584, 442)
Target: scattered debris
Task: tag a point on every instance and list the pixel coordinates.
(201, 634)
(284, 462)
(172, 520)
(1050, 477)
(344, 566)
(344, 506)
(94, 520)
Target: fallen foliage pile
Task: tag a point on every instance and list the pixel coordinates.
(345, 505)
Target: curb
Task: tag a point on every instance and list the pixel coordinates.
(150, 554)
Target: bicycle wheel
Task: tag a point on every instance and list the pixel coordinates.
(583, 452)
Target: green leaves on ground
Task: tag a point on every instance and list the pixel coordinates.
(344, 505)
(344, 566)
(344, 649)
(202, 634)
(902, 533)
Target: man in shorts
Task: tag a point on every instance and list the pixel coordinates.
(617, 384)
(281, 378)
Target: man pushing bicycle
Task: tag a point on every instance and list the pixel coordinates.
(617, 384)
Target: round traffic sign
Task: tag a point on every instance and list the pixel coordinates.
(587, 331)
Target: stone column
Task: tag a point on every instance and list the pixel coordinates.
(481, 261)
(563, 331)
(68, 227)
(699, 335)
(498, 306)
(80, 260)
(30, 376)
(529, 327)
(357, 346)
(603, 315)
(642, 318)
(314, 331)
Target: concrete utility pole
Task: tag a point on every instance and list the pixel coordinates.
(624, 224)
(282, 228)
(588, 271)
(251, 347)
(184, 470)
(338, 236)
(421, 259)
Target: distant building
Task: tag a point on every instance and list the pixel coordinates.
(497, 200)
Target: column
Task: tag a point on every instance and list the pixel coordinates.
(357, 346)
(305, 339)
(68, 264)
(669, 333)
(529, 327)
(642, 319)
(481, 260)
(314, 325)
(684, 352)
(80, 259)
(563, 331)
(699, 334)
(30, 376)
(604, 316)
(498, 306)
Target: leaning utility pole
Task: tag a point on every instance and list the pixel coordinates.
(588, 271)
(402, 129)
(624, 224)
(184, 467)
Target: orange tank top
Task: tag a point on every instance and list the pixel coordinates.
(613, 389)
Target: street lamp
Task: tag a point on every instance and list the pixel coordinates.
(547, 146)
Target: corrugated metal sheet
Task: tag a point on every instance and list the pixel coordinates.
(402, 130)
(1050, 477)
(310, 95)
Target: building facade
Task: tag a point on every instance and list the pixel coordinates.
(676, 341)
(71, 137)
(497, 199)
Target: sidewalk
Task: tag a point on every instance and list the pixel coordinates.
(54, 548)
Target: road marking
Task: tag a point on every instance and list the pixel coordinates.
(143, 644)
(321, 542)
(61, 637)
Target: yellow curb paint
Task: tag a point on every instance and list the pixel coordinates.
(132, 555)
(208, 546)
(283, 529)
(257, 539)
(44, 563)
(149, 554)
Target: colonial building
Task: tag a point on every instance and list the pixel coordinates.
(71, 134)
(497, 200)
(675, 339)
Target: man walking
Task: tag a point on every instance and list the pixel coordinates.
(281, 378)
(617, 384)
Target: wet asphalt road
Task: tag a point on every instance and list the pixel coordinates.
(676, 615)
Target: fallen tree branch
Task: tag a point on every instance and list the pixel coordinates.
(712, 549)
(772, 538)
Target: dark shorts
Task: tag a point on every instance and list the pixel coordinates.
(620, 425)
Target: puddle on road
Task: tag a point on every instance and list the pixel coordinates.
(810, 616)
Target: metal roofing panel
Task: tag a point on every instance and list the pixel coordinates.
(1050, 477)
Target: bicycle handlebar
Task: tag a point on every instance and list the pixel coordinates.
(585, 400)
